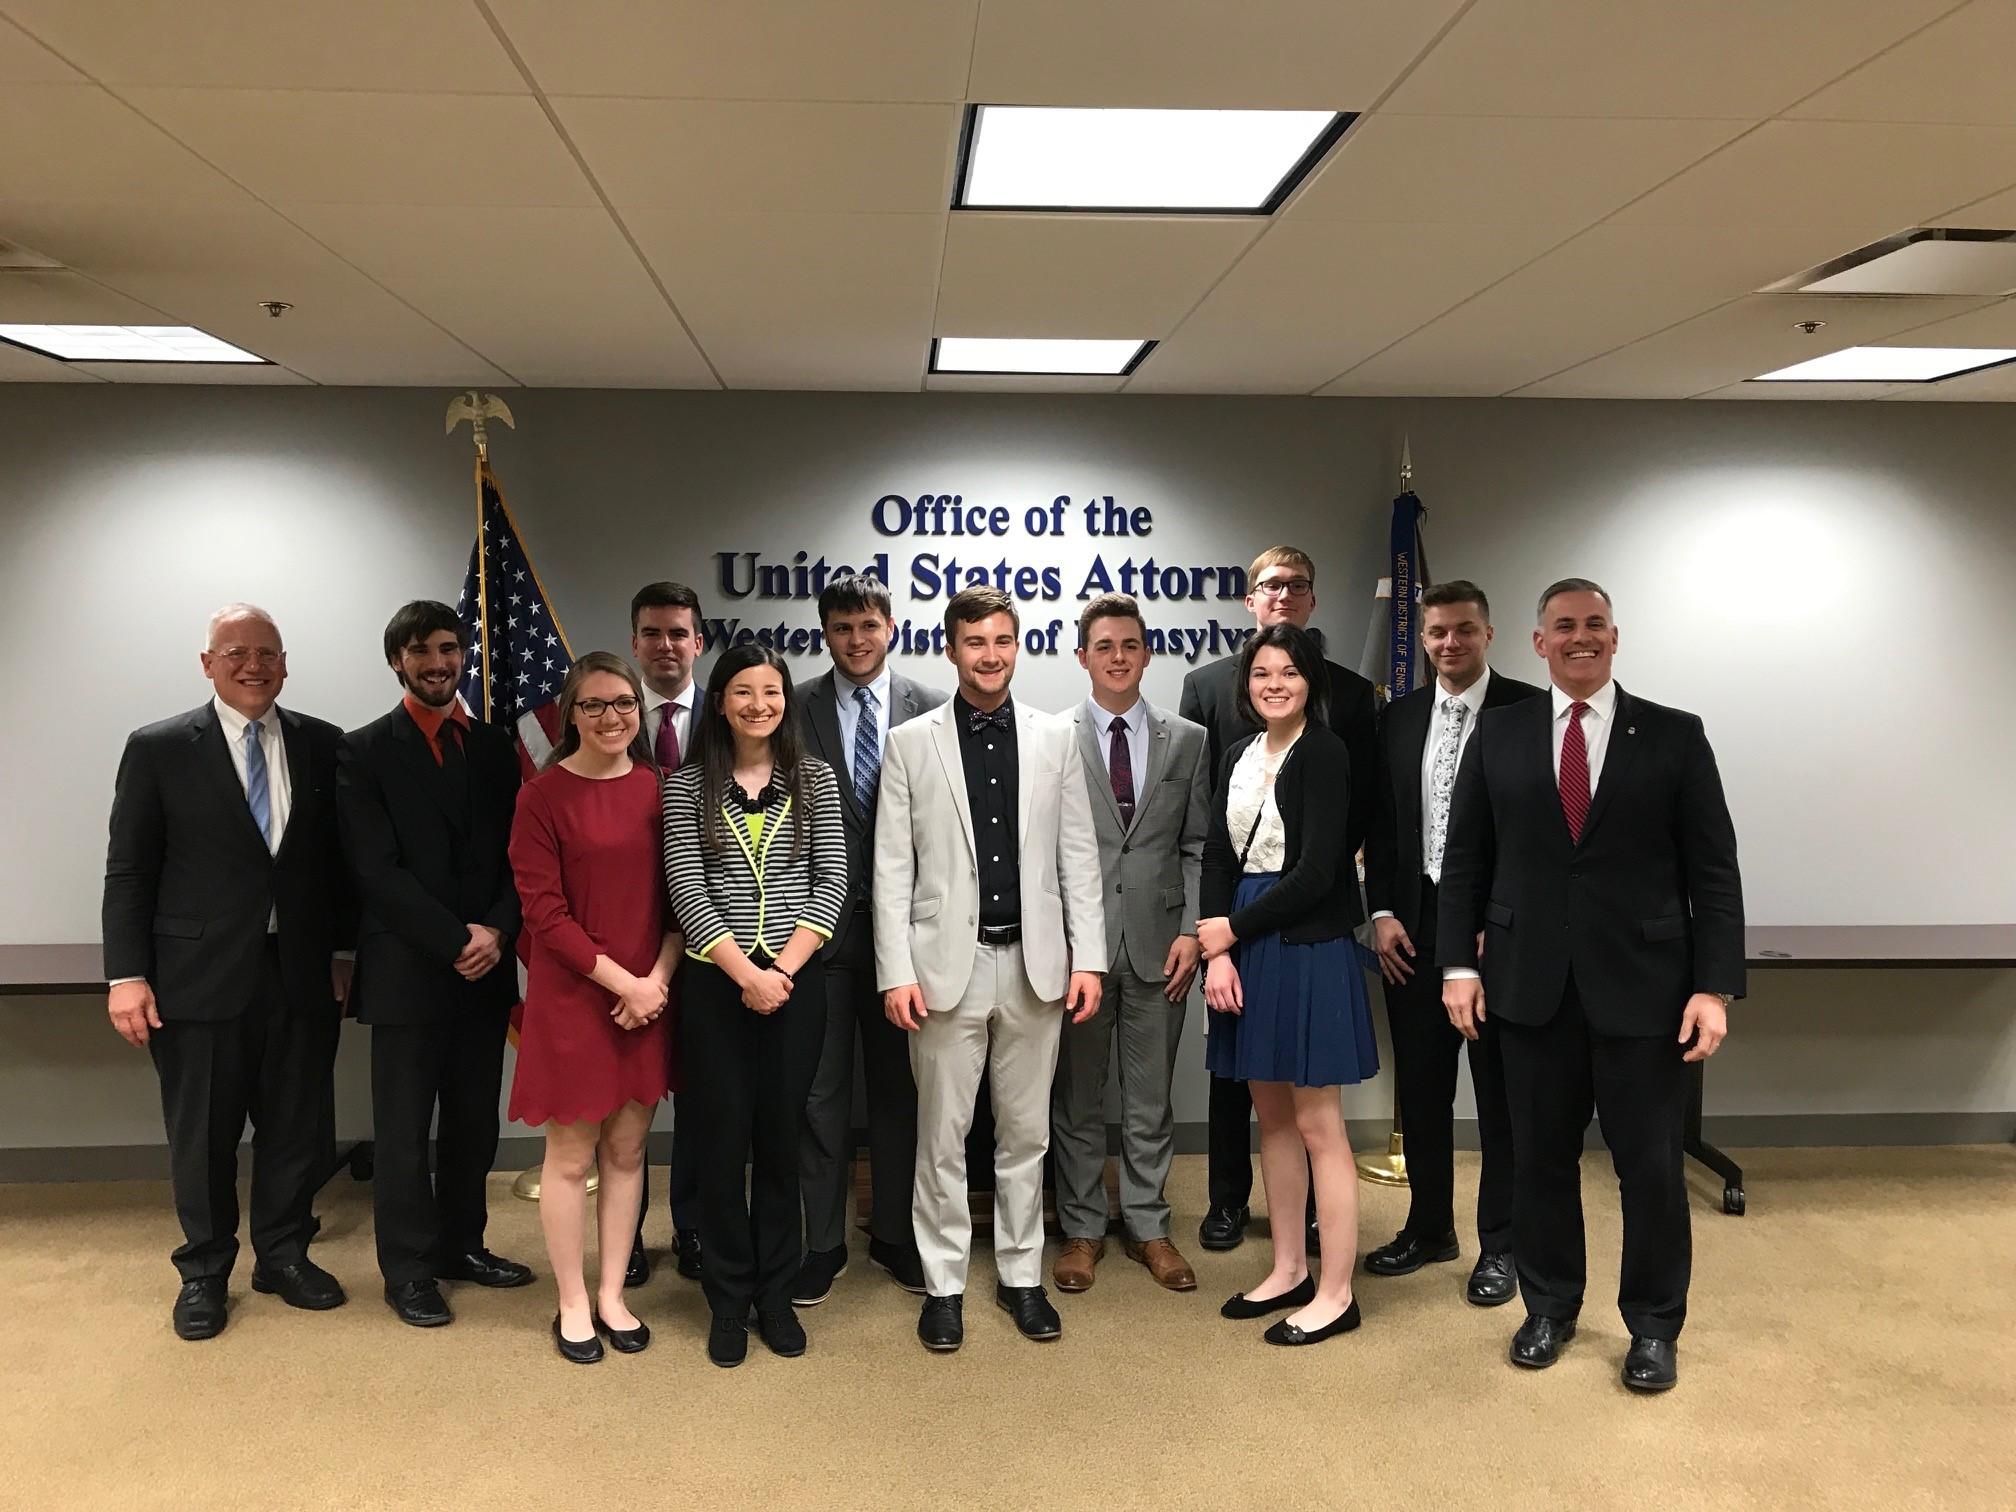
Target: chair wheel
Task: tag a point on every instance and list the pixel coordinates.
(1732, 1201)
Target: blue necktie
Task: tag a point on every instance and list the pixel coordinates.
(867, 750)
(256, 792)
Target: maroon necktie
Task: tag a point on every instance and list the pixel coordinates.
(1575, 773)
(668, 738)
(1120, 764)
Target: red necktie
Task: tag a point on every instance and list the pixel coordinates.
(668, 738)
(1575, 773)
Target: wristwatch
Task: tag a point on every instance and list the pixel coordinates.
(1727, 998)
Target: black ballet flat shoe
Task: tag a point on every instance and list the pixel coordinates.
(1240, 1306)
(576, 1351)
(1285, 1332)
(625, 1340)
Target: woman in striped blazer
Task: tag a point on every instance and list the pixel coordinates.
(756, 862)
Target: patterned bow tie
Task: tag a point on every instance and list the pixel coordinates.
(1002, 718)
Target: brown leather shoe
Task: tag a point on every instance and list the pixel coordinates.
(1165, 1263)
(1073, 1271)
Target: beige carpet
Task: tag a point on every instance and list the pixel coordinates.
(1853, 1344)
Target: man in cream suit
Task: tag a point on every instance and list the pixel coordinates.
(988, 933)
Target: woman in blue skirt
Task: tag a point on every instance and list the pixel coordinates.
(1290, 1012)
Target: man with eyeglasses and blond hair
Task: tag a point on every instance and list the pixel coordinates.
(1281, 590)
(226, 903)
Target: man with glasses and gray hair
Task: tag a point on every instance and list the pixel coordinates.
(226, 903)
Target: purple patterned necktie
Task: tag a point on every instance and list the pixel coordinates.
(1120, 763)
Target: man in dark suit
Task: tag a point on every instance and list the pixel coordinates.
(1590, 844)
(1281, 587)
(426, 799)
(848, 715)
(1422, 737)
(226, 902)
(666, 642)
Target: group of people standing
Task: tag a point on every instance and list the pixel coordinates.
(719, 892)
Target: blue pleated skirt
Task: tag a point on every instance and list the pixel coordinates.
(1307, 1018)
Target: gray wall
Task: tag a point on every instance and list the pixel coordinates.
(1825, 584)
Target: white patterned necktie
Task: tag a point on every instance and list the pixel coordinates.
(1442, 783)
(867, 749)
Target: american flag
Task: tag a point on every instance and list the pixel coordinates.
(518, 654)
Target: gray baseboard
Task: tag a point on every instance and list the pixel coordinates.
(1738, 1131)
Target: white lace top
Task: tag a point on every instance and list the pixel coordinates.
(1251, 793)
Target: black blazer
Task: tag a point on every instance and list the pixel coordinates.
(907, 699)
(1210, 698)
(190, 884)
(1317, 895)
(1393, 869)
(427, 867)
(1646, 910)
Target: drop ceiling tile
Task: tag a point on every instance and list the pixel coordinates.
(1064, 275)
(76, 142)
(1808, 393)
(1994, 386)
(732, 155)
(1200, 54)
(1313, 299)
(1989, 325)
(308, 147)
(1994, 212)
(19, 366)
(1733, 59)
(1500, 170)
(747, 50)
(1956, 69)
(23, 60)
(277, 44)
(234, 374)
(70, 299)
(1023, 383)
(802, 301)
(554, 296)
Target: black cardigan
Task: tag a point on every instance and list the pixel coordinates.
(1317, 896)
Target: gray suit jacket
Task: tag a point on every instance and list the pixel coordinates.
(907, 699)
(1150, 868)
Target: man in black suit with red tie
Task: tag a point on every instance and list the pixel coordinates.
(1422, 736)
(426, 798)
(226, 904)
(1281, 590)
(1590, 843)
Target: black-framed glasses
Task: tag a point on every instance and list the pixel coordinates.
(595, 708)
(1293, 588)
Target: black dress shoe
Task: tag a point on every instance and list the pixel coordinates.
(1652, 1365)
(419, 1303)
(1239, 1305)
(625, 1340)
(816, 1275)
(728, 1342)
(1285, 1332)
(586, 1351)
(1030, 1307)
(485, 1269)
(942, 1323)
(782, 1331)
(1224, 1227)
(1494, 1280)
(638, 1271)
(902, 1263)
(1408, 1253)
(199, 1308)
(302, 1284)
(1539, 1341)
(686, 1244)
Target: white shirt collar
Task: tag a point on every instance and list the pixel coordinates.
(653, 698)
(1602, 703)
(1472, 696)
(234, 723)
(1102, 721)
(844, 686)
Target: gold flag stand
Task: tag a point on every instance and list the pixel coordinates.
(526, 1184)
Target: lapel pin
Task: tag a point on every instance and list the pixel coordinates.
(1630, 729)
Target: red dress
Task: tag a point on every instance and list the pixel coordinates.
(590, 871)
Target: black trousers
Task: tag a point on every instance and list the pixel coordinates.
(683, 1180)
(1555, 1074)
(271, 1064)
(1426, 1047)
(747, 1075)
(429, 1208)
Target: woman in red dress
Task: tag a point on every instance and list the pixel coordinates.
(594, 1051)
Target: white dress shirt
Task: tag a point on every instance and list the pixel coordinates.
(1473, 698)
(848, 707)
(682, 710)
(1137, 739)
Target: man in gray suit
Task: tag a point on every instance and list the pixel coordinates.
(1150, 784)
(848, 715)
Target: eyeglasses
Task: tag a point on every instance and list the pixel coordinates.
(258, 656)
(595, 708)
(1284, 588)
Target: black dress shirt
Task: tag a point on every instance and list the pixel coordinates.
(988, 755)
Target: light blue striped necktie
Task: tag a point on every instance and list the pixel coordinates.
(256, 793)
(867, 749)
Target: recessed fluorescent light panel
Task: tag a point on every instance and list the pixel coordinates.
(1883, 364)
(1929, 260)
(111, 343)
(1213, 162)
(993, 354)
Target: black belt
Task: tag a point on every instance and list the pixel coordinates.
(1000, 934)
